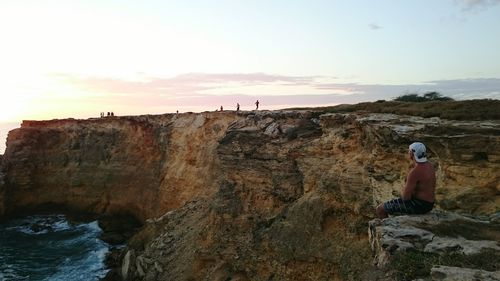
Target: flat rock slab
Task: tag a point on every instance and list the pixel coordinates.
(449, 273)
(437, 232)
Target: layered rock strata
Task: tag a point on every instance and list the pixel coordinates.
(283, 195)
(141, 165)
(444, 238)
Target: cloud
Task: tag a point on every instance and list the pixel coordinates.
(458, 89)
(374, 26)
(240, 77)
(185, 84)
(204, 91)
(476, 5)
(469, 88)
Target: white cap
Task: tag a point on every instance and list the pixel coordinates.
(419, 152)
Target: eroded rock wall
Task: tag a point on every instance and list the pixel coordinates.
(465, 155)
(143, 165)
(294, 196)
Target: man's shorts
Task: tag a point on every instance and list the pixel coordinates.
(411, 207)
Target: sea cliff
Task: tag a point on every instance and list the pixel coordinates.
(268, 195)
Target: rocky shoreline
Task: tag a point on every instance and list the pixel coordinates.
(117, 231)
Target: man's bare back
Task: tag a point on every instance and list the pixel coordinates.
(420, 183)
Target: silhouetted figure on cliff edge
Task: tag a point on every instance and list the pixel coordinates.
(418, 194)
(257, 105)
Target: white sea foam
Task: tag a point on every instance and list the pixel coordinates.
(36, 225)
(89, 267)
(91, 226)
(51, 248)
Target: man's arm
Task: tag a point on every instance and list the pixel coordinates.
(411, 184)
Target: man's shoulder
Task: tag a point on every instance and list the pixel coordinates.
(418, 169)
(423, 168)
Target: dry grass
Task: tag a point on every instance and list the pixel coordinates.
(485, 109)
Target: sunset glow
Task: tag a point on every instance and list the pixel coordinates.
(79, 58)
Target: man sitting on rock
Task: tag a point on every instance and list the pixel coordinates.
(417, 197)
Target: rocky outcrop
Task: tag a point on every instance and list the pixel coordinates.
(289, 220)
(443, 240)
(141, 165)
(283, 195)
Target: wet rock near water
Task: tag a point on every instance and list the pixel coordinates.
(113, 263)
(118, 229)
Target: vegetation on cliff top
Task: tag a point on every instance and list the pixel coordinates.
(456, 110)
(429, 96)
(431, 104)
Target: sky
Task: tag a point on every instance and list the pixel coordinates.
(62, 59)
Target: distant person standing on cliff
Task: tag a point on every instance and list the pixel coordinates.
(237, 107)
(418, 194)
(257, 105)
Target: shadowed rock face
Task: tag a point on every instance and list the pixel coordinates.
(258, 196)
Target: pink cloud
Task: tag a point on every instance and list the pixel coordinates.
(196, 90)
(241, 78)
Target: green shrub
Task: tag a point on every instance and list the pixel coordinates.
(410, 98)
(429, 96)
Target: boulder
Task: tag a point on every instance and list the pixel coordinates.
(444, 239)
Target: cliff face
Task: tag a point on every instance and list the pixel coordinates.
(138, 165)
(283, 195)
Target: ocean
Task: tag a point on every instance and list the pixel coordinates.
(51, 248)
(4, 131)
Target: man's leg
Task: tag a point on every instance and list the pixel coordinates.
(381, 214)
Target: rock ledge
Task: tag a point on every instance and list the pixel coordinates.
(440, 233)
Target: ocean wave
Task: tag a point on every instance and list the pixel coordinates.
(36, 225)
(51, 248)
(91, 226)
(8, 273)
(89, 267)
